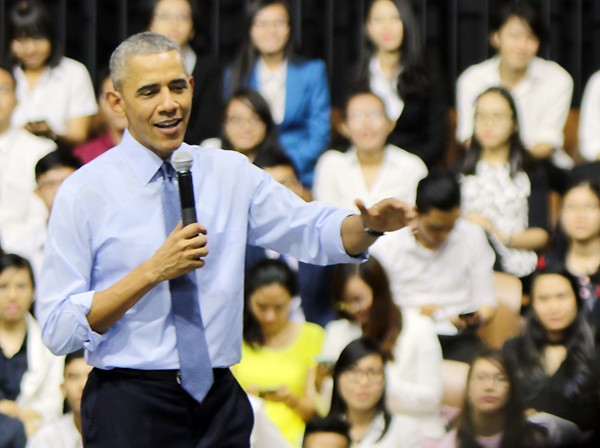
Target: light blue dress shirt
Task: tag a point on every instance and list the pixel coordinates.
(107, 219)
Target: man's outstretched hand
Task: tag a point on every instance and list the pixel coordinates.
(385, 216)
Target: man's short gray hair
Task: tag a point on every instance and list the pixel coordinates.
(139, 44)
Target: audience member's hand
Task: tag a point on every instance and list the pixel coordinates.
(386, 215)
(41, 129)
(182, 252)
(430, 310)
(10, 407)
(465, 321)
(323, 372)
(541, 151)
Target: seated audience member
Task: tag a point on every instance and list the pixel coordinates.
(542, 89)
(50, 172)
(314, 281)
(327, 432)
(296, 89)
(414, 358)
(493, 415)
(503, 189)
(393, 66)
(66, 431)
(55, 93)
(114, 125)
(30, 376)
(370, 169)
(442, 268)
(248, 127)
(277, 353)
(556, 355)
(589, 119)
(178, 20)
(12, 433)
(20, 210)
(359, 381)
(577, 244)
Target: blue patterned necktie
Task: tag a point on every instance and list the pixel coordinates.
(194, 358)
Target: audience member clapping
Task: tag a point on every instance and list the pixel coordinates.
(359, 383)
(370, 169)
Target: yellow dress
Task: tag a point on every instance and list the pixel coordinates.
(268, 367)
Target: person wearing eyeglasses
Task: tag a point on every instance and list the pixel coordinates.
(493, 414)
(359, 383)
(295, 88)
(371, 169)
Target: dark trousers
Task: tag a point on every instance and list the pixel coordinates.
(463, 347)
(120, 410)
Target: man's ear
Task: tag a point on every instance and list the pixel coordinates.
(116, 103)
(191, 81)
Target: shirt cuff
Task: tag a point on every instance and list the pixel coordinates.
(83, 302)
(331, 240)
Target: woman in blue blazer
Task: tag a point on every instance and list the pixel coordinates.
(296, 89)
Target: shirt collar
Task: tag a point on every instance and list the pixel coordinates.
(143, 162)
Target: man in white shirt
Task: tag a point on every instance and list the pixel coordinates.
(442, 268)
(21, 212)
(542, 89)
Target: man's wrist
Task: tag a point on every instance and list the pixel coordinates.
(372, 232)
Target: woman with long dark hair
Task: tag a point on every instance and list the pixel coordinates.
(296, 89)
(577, 241)
(392, 64)
(359, 381)
(493, 415)
(363, 298)
(278, 353)
(556, 355)
(502, 189)
(55, 94)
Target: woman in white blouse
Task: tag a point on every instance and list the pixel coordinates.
(359, 382)
(414, 368)
(502, 188)
(55, 94)
(371, 169)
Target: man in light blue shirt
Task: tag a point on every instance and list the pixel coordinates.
(107, 263)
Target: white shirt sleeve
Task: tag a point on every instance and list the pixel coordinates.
(589, 120)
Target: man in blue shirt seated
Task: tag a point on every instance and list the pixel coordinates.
(116, 278)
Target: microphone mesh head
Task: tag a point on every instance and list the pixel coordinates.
(182, 160)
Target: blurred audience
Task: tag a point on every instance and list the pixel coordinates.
(442, 267)
(503, 189)
(114, 125)
(55, 93)
(556, 355)
(21, 212)
(30, 375)
(493, 414)
(393, 66)
(296, 89)
(278, 354)
(362, 295)
(370, 169)
(66, 431)
(327, 432)
(589, 132)
(359, 383)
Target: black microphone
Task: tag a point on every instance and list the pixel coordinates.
(182, 162)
